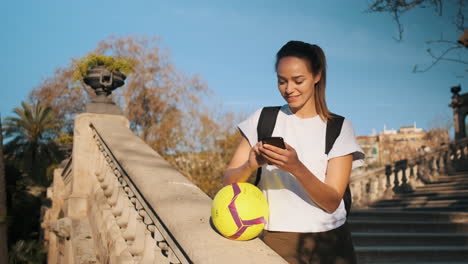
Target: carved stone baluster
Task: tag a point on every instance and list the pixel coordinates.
(462, 152)
(118, 248)
(424, 170)
(442, 163)
(148, 255)
(122, 221)
(373, 189)
(437, 162)
(396, 181)
(129, 233)
(388, 190)
(100, 164)
(453, 153)
(107, 180)
(355, 194)
(405, 186)
(119, 205)
(138, 245)
(110, 186)
(434, 169)
(112, 199)
(100, 176)
(383, 182)
(365, 195)
(413, 179)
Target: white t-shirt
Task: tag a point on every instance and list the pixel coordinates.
(291, 208)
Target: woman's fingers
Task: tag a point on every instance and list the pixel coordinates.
(274, 148)
(288, 147)
(272, 156)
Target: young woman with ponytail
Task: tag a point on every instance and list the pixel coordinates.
(303, 185)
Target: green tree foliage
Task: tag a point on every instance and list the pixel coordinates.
(82, 65)
(31, 146)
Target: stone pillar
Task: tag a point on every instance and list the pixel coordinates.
(85, 153)
(460, 110)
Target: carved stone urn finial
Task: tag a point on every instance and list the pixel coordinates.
(103, 82)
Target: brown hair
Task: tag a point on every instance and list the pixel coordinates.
(315, 58)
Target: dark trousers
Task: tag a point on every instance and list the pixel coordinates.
(330, 247)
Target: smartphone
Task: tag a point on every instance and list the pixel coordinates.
(275, 141)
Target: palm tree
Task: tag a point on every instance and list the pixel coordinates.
(32, 135)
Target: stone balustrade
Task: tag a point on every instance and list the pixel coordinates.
(404, 175)
(118, 201)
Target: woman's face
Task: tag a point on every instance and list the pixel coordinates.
(296, 83)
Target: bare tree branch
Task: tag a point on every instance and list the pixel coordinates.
(460, 18)
(441, 57)
(398, 7)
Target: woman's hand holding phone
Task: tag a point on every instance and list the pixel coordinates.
(284, 159)
(256, 160)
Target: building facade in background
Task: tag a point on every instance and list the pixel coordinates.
(392, 145)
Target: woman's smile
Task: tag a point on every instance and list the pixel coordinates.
(292, 98)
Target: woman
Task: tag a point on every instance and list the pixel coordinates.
(303, 185)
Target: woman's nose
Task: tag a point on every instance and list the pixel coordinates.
(288, 88)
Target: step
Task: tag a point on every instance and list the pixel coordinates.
(430, 207)
(442, 185)
(402, 215)
(452, 178)
(447, 182)
(457, 188)
(412, 254)
(381, 226)
(426, 201)
(421, 203)
(456, 173)
(441, 205)
(431, 193)
(430, 196)
(410, 239)
(440, 208)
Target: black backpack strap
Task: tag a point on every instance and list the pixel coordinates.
(265, 126)
(334, 125)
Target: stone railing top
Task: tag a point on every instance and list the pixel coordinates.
(366, 174)
(410, 161)
(182, 207)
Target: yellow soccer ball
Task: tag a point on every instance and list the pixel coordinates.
(239, 211)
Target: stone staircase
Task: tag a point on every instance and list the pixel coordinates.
(429, 225)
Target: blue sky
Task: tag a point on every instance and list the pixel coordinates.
(232, 44)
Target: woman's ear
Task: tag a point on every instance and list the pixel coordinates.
(317, 78)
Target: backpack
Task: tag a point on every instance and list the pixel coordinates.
(266, 124)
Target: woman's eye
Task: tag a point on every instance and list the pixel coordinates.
(299, 82)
